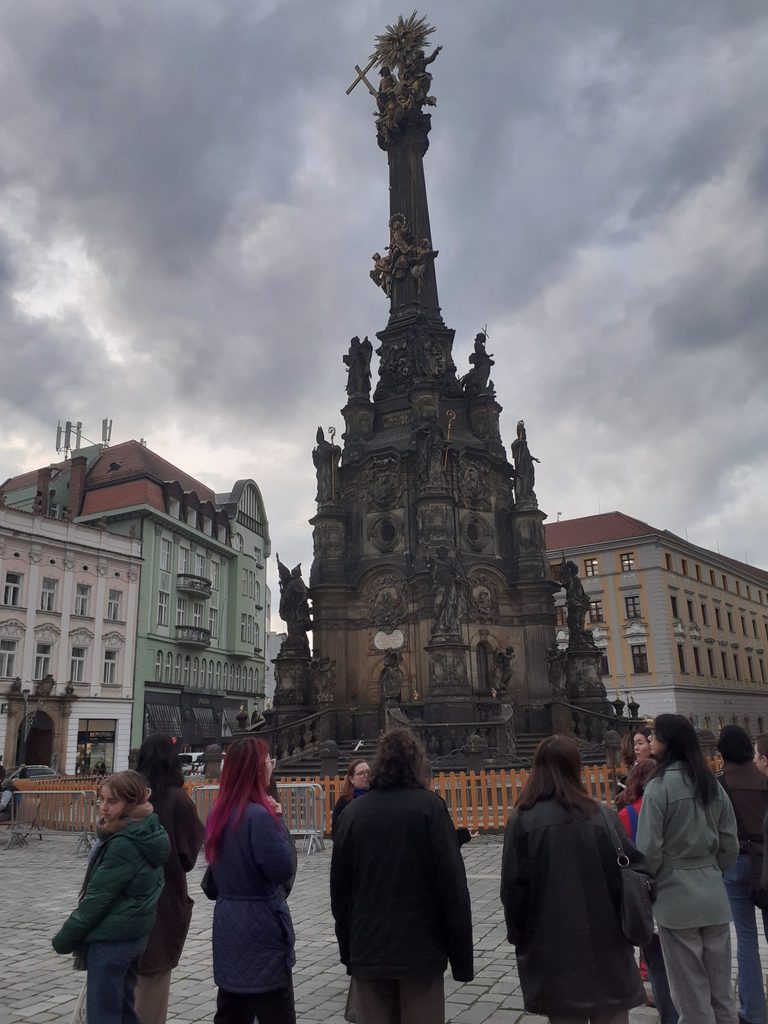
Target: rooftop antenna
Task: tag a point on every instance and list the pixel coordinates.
(64, 436)
(559, 516)
(106, 432)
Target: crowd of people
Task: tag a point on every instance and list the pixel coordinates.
(399, 894)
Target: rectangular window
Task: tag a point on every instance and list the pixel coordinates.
(681, 657)
(595, 611)
(214, 575)
(696, 661)
(698, 571)
(718, 619)
(8, 650)
(668, 560)
(632, 605)
(749, 593)
(762, 670)
(110, 668)
(166, 551)
(605, 669)
(673, 602)
(725, 582)
(754, 629)
(244, 582)
(712, 577)
(743, 626)
(243, 628)
(730, 620)
(82, 598)
(48, 595)
(12, 589)
(691, 616)
(627, 561)
(590, 567)
(163, 604)
(42, 661)
(704, 617)
(684, 566)
(710, 662)
(185, 556)
(199, 563)
(197, 613)
(77, 665)
(737, 666)
(213, 621)
(113, 605)
(639, 659)
(750, 669)
(181, 611)
(724, 659)
(560, 614)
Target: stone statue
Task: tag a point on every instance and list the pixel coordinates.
(324, 679)
(326, 458)
(381, 275)
(476, 382)
(358, 361)
(502, 673)
(429, 441)
(557, 661)
(417, 341)
(391, 677)
(294, 605)
(525, 475)
(448, 580)
(577, 604)
(422, 255)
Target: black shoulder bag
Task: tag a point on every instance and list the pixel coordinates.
(636, 892)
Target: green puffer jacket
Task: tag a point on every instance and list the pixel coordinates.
(126, 879)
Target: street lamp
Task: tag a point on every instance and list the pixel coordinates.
(24, 728)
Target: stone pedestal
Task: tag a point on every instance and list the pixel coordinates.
(448, 675)
(328, 537)
(583, 680)
(212, 759)
(292, 679)
(329, 759)
(528, 543)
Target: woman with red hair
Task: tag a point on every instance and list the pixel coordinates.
(251, 859)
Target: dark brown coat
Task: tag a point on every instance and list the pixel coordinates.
(178, 816)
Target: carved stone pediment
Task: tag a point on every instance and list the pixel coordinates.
(387, 601)
(81, 636)
(12, 629)
(47, 633)
(473, 483)
(113, 639)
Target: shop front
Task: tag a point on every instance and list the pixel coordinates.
(96, 739)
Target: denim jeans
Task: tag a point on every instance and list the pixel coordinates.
(751, 990)
(112, 980)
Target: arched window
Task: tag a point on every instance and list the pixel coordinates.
(177, 671)
(210, 673)
(158, 666)
(256, 635)
(483, 666)
(168, 668)
(225, 675)
(203, 669)
(250, 680)
(218, 673)
(195, 671)
(237, 678)
(187, 665)
(257, 594)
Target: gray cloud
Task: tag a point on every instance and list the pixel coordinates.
(190, 203)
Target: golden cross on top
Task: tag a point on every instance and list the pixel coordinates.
(361, 73)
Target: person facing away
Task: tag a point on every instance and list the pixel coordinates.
(355, 784)
(399, 893)
(687, 832)
(159, 764)
(747, 788)
(629, 816)
(252, 861)
(118, 898)
(560, 892)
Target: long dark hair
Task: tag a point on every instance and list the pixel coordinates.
(556, 775)
(159, 764)
(400, 761)
(682, 746)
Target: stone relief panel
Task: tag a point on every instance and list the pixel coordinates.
(12, 629)
(81, 637)
(448, 673)
(483, 599)
(477, 532)
(435, 524)
(473, 483)
(328, 539)
(47, 633)
(386, 601)
(113, 639)
(384, 485)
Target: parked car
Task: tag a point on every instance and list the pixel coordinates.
(34, 771)
(193, 763)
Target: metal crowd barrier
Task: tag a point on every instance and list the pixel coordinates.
(40, 811)
(303, 806)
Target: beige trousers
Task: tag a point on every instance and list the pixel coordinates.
(151, 998)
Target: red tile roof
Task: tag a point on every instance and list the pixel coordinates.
(17, 483)
(591, 530)
(123, 495)
(133, 459)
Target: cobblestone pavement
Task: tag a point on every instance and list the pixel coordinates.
(40, 884)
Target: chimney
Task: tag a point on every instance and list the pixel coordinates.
(78, 467)
(40, 506)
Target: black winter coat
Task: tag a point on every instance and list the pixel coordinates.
(560, 891)
(398, 888)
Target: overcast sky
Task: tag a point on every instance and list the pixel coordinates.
(189, 202)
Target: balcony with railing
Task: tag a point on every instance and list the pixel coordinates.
(196, 636)
(187, 583)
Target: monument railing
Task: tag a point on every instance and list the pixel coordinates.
(293, 738)
(587, 724)
(442, 738)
